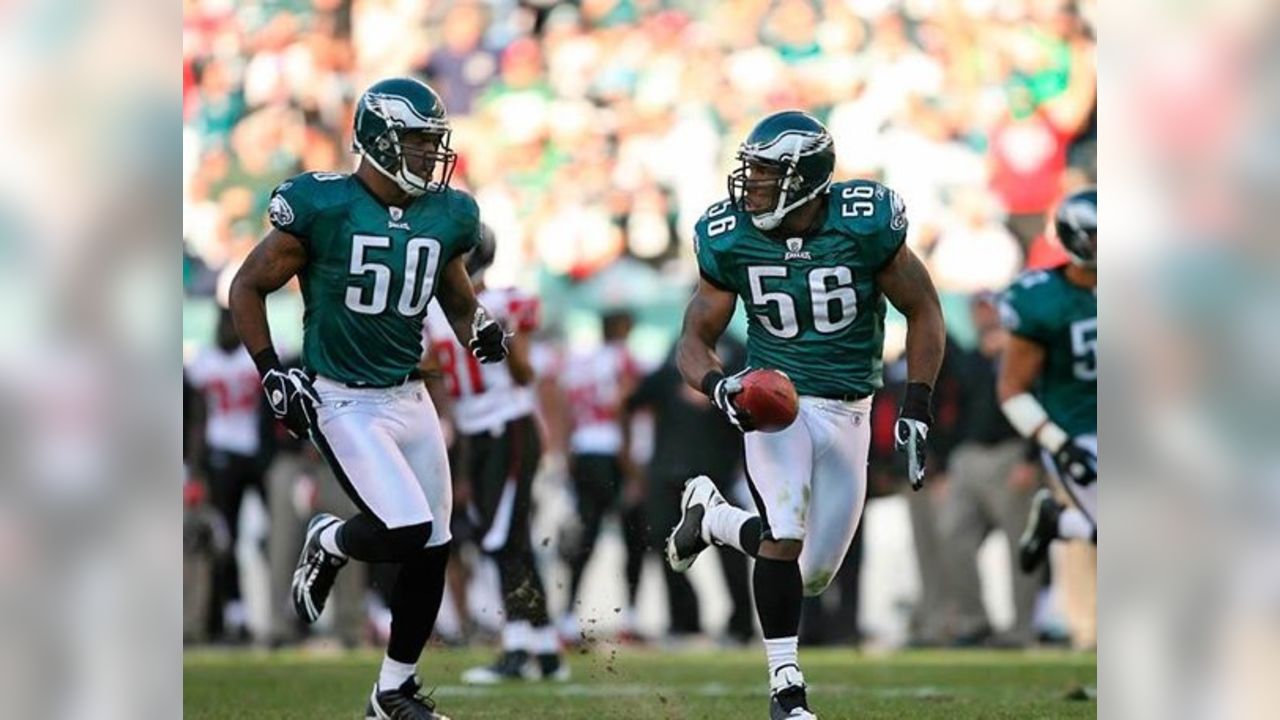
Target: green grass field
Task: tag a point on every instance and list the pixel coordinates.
(626, 683)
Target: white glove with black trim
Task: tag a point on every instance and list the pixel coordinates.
(721, 390)
(1076, 463)
(292, 399)
(488, 339)
(911, 432)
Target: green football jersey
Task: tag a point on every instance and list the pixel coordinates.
(1046, 308)
(371, 271)
(813, 308)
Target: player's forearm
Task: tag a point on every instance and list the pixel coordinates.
(458, 300)
(926, 343)
(461, 312)
(695, 358)
(518, 361)
(248, 308)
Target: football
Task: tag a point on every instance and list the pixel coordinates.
(768, 400)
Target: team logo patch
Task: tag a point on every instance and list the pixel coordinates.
(794, 251)
(279, 211)
(898, 221)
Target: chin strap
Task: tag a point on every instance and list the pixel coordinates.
(772, 219)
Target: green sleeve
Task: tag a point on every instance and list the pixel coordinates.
(1018, 314)
(467, 215)
(891, 232)
(292, 206)
(708, 260)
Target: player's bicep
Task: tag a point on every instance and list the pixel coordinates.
(709, 312)
(272, 262)
(1019, 367)
(905, 281)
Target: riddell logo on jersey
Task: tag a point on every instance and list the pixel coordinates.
(794, 252)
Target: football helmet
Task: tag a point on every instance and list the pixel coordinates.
(1076, 222)
(386, 114)
(802, 156)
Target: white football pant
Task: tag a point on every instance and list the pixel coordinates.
(386, 448)
(809, 482)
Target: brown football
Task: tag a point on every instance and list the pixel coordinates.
(768, 400)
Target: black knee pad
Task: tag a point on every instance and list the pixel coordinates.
(368, 539)
(404, 542)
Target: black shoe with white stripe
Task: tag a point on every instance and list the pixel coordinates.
(510, 665)
(1042, 529)
(688, 538)
(788, 701)
(317, 568)
(403, 703)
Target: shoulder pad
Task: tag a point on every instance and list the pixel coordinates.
(874, 214)
(295, 201)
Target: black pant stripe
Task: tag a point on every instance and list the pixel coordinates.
(765, 532)
(318, 439)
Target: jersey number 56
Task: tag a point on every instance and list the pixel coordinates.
(831, 295)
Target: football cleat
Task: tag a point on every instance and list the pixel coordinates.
(317, 568)
(688, 538)
(552, 667)
(1042, 529)
(510, 665)
(403, 703)
(788, 702)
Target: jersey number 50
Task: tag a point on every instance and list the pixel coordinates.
(415, 293)
(835, 304)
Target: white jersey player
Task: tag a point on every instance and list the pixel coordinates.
(493, 410)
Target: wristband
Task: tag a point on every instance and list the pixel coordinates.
(709, 382)
(916, 402)
(266, 360)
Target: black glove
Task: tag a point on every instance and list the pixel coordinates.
(911, 431)
(290, 395)
(721, 390)
(488, 340)
(1076, 463)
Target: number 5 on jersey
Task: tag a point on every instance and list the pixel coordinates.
(417, 287)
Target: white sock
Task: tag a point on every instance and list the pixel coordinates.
(627, 619)
(329, 540)
(394, 673)
(723, 524)
(1073, 524)
(543, 640)
(234, 615)
(516, 635)
(782, 652)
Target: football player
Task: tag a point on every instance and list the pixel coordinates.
(493, 410)
(1048, 383)
(371, 249)
(596, 383)
(813, 262)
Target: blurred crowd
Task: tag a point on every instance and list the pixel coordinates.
(593, 130)
(593, 134)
